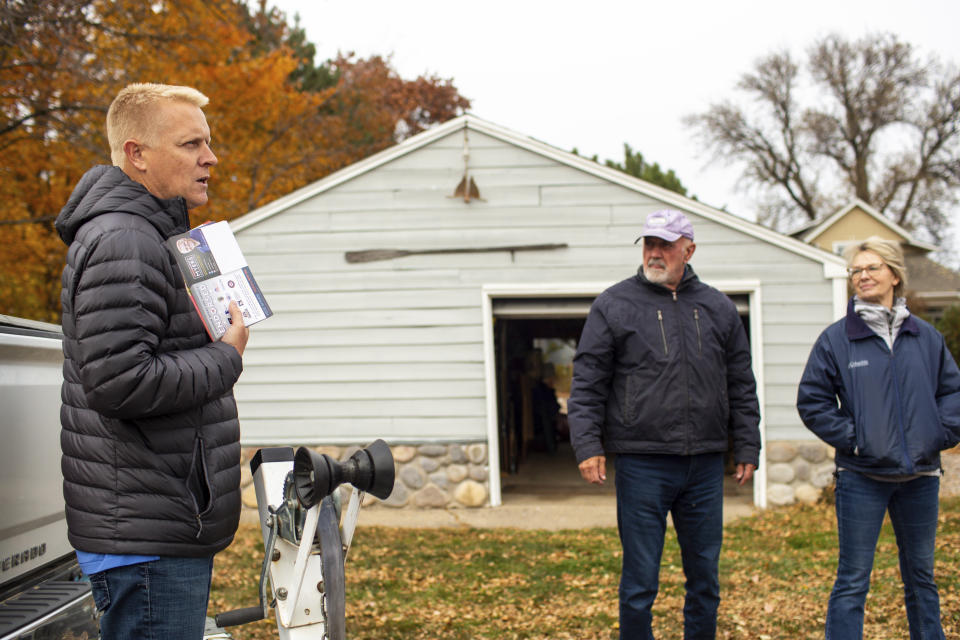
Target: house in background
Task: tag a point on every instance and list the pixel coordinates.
(932, 285)
(409, 291)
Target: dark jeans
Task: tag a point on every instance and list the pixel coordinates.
(690, 488)
(861, 504)
(164, 599)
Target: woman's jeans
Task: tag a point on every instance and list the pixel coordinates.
(691, 489)
(861, 503)
(164, 599)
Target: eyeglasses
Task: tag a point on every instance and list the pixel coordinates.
(856, 272)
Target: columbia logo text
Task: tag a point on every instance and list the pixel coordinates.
(858, 363)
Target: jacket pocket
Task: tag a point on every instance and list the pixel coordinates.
(925, 441)
(859, 440)
(663, 332)
(696, 321)
(198, 480)
(640, 417)
(630, 407)
(101, 591)
(878, 443)
(724, 406)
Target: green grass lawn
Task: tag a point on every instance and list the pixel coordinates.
(776, 572)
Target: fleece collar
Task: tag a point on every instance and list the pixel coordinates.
(857, 329)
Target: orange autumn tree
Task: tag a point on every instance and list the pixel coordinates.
(373, 107)
(38, 110)
(278, 121)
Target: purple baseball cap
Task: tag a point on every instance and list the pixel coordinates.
(667, 224)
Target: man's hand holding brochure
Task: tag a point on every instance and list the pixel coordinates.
(216, 274)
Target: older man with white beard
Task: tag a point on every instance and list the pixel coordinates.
(662, 378)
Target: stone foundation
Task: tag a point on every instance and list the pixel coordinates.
(441, 476)
(798, 471)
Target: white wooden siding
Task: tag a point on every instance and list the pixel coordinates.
(394, 348)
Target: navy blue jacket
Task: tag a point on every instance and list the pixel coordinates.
(897, 409)
(663, 373)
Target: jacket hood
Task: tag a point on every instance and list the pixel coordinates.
(107, 189)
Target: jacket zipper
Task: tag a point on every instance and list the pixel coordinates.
(899, 401)
(696, 320)
(685, 364)
(663, 334)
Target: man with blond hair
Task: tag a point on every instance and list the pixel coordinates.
(150, 436)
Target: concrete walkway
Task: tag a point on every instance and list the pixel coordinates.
(548, 493)
(574, 512)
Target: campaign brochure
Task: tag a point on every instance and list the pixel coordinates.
(215, 273)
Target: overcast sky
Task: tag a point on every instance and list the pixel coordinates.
(593, 74)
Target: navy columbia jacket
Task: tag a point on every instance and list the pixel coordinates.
(897, 409)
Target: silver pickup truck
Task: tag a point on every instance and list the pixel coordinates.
(42, 592)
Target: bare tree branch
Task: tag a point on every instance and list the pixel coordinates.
(771, 146)
(886, 122)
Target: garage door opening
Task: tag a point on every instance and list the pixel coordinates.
(532, 336)
(534, 342)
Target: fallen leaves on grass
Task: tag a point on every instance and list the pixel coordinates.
(777, 569)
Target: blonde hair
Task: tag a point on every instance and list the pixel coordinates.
(131, 114)
(891, 254)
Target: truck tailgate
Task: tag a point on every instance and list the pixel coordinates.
(33, 529)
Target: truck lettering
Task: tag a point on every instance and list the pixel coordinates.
(23, 557)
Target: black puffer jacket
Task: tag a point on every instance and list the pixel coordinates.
(663, 373)
(150, 438)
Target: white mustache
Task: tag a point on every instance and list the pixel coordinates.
(656, 263)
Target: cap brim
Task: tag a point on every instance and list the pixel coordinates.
(663, 234)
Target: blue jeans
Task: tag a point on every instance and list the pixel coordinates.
(690, 488)
(163, 599)
(861, 504)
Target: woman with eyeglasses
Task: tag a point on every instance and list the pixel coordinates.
(881, 387)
